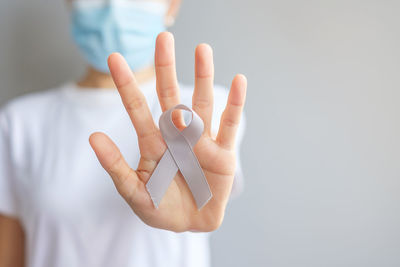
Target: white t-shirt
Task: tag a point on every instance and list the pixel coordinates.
(51, 180)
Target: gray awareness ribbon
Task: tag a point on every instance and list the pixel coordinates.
(179, 156)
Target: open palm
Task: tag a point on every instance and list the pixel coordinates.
(216, 154)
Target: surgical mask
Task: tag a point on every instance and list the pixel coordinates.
(101, 27)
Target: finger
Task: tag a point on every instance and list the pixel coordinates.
(231, 116)
(132, 98)
(203, 95)
(167, 83)
(125, 179)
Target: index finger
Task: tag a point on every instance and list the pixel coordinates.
(132, 98)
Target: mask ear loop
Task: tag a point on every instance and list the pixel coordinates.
(172, 12)
(169, 21)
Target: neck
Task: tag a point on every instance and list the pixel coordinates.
(96, 79)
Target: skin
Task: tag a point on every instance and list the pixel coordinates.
(11, 242)
(215, 151)
(177, 211)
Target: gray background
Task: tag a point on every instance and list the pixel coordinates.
(321, 154)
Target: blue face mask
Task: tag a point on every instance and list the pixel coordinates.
(129, 27)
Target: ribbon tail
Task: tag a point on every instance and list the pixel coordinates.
(198, 184)
(191, 170)
(161, 178)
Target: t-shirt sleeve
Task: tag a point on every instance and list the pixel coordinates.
(8, 197)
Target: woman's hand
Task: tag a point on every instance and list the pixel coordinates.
(177, 211)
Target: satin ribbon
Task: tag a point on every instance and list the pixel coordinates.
(179, 156)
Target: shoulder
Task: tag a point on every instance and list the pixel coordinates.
(29, 106)
(22, 119)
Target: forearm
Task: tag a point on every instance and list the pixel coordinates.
(11, 243)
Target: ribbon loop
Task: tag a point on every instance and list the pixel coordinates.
(179, 156)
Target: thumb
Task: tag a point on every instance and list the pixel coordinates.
(125, 179)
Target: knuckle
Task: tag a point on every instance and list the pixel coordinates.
(204, 75)
(135, 103)
(236, 105)
(230, 122)
(168, 91)
(202, 103)
(147, 134)
(123, 180)
(124, 185)
(114, 167)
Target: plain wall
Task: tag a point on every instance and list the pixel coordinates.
(321, 155)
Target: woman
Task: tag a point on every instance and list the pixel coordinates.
(57, 205)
